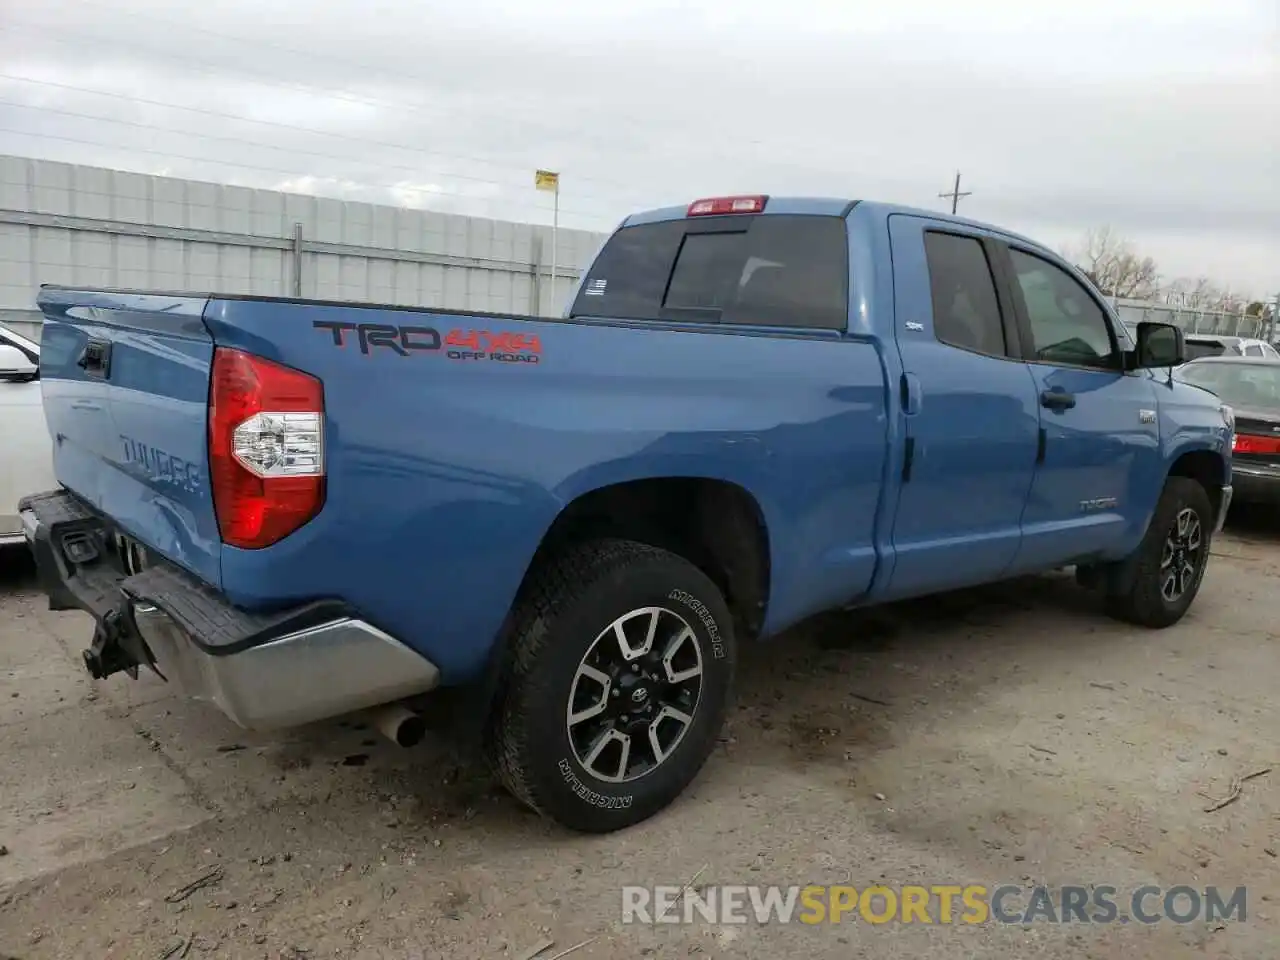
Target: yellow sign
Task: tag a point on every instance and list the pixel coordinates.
(546, 180)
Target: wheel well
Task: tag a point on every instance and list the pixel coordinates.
(1206, 468)
(715, 525)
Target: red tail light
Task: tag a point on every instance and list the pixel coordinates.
(266, 448)
(1244, 443)
(720, 206)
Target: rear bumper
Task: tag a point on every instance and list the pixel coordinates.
(263, 671)
(1255, 484)
(10, 529)
(1224, 504)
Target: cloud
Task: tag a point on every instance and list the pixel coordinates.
(1156, 117)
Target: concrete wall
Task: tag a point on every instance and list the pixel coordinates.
(69, 224)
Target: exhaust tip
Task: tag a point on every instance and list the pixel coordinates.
(411, 731)
(401, 726)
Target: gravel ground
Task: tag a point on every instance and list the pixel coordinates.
(1007, 734)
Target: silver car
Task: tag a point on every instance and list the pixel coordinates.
(26, 453)
(1211, 345)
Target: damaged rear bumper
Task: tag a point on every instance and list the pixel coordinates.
(263, 671)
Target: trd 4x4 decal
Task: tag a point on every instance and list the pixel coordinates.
(503, 346)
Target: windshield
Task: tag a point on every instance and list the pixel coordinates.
(1244, 385)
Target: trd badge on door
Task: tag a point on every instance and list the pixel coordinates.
(1146, 416)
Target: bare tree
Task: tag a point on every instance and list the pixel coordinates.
(1198, 293)
(1115, 267)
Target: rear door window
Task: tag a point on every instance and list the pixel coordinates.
(966, 310)
(770, 270)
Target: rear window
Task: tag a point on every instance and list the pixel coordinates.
(1244, 385)
(1204, 348)
(773, 270)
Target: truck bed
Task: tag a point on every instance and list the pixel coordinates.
(453, 440)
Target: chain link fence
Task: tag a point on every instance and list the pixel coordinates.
(1197, 321)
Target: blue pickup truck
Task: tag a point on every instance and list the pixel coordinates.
(754, 409)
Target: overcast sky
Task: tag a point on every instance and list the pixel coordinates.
(1158, 117)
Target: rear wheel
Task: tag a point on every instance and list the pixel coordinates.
(618, 681)
(1170, 562)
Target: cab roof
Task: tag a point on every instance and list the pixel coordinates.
(830, 207)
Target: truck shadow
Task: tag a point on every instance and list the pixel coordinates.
(1254, 523)
(827, 700)
(846, 685)
(17, 568)
(834, 692)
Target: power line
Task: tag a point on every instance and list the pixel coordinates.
(955, 194)
(706, 138)
(241, 165)
(365, 68)
(240, 141)
(65, 36)
(365, 141)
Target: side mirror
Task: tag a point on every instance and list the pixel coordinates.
(14, 364)
(1159, 345)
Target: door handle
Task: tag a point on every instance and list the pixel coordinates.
(910, 394)
(1057, 400)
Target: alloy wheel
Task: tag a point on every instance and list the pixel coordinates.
(1182, 556)
(635, 694)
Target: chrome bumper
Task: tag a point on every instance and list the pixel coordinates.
(1223, 506)
(313, 674)
(14, 529)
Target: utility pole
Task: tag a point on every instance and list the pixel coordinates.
(550, 180)
(955, 194)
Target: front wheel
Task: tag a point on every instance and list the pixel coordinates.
(620, 669)
(1169, 564)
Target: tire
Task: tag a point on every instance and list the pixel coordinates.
(563, 630)
(1142, 600)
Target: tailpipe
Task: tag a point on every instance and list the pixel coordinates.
(400, 725)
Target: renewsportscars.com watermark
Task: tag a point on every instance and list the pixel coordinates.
(936, 904)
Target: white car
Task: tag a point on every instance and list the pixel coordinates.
(26, 453)
(1209, 345)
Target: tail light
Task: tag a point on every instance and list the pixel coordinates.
(720, 206)
(266, 448)
(1244, 443)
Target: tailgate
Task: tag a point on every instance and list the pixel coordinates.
(125, 380)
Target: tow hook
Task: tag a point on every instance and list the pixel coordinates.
(108, 653)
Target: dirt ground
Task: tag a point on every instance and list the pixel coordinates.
(1010, 734)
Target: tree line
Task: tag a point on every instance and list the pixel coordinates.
(1119, 270)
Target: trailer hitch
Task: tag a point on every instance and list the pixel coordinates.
(117, 647)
